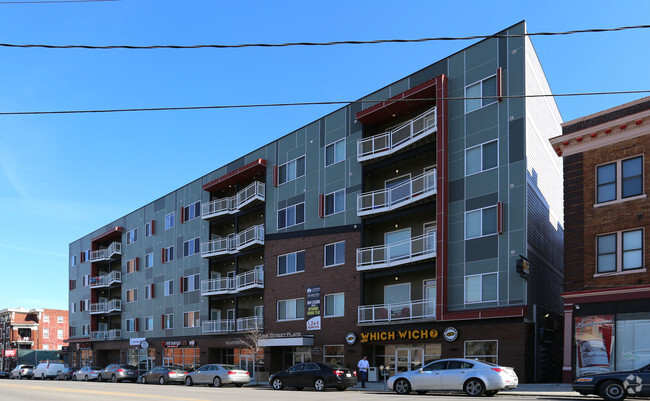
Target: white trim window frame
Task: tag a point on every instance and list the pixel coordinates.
(191, 283)
(620, 252)
(334, 202)
(192, 211)
(478, 288)
(619, 181)
(291, 309)
(148, 323)
(337, 251)
(191, 319)
(147, 229)
(73, 260)
(481, 222)
(131, 295)
(483, 92)
(86, 280)
(291, 170)
(148, 260)
(168, 321)
(334, 152)
(130, 325)
(132, 236)
(148, 291)
(334, 305)
(169, 220)
(169, 254)
(487, 154)
(191, 247)
(291, 263)
(169, 287)
(291, 216)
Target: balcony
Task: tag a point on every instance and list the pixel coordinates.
(398, 138)
(231, 285)
(412, 250)
(386, 313)
(250, 323)
(114, 277)
(406, 193)
(218, 326)
(23, 340)
(233, 243)
(224, 206)
(115, 248)
(114, 305)
(115, 334)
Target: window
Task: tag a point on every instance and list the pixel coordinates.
(73, 260)
(46, 346)
(85, 255)
(619, 180)
(73, 309)
(167, 254)
(191, 283)
(86, 280)
(334, 305)
(148, 323)
(191, 247)
(132, 236)
(482, 93)
(85, 330)
(192, 211)
(619, 251)
(335, 254)
(291, 170)
(132, 295)
(83, 305)
(291, 309)
(148, 291)
(191, 319)
(132, 265)
(46, 318)
(291, 263)
(130, 325)
(485, 351)
(148, 260)
(481, 288)
(73, 331)
(168, 321)
(46, 333)
(169, 220)
(59, 319)
(59, 334)
(335, 202)
(335, 152)
(481, 157)
(334, 354)
(481, 222)
(169, 287)
(291, 216)
(148, 229)
(73, 284)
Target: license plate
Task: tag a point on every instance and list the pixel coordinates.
(348, 375)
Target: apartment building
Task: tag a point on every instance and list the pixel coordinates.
(422, 221)
(607, 286)
(38, 329)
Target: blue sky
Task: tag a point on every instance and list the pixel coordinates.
(62, 176)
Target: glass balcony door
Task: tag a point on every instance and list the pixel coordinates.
(398, 244)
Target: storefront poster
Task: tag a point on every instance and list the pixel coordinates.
(594, 342)
(313, 301)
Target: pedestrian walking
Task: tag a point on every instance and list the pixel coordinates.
(363, 366)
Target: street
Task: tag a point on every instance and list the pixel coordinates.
(36, 390)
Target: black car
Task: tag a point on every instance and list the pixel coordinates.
(615, 386)
(314, 374)
(4, 375)
(66, 374)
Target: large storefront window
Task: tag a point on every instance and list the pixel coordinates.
(632, 340)
(403, 357)
(486, 351)
(143, 359)
(334, 354)
(86, 357)
(188, 358)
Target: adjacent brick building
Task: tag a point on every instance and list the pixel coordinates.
(42, 329)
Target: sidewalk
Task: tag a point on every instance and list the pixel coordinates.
(525, 389)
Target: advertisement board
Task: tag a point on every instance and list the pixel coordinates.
(594, 343)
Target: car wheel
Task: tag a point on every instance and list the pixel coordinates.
(74, 378)
(319, 384)
(114, 379)
(277, 384)
(474, 387)
(188, 381)
(86, 378)
(143, 380)
(402, 386)
(100, 378)
(491, 393)
(216, 381)
(43, 376)
(161, 380)
(612, 390)
(56, 377)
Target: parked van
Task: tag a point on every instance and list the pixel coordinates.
(48, 370)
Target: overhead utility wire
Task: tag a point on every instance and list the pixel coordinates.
(243, 106)
(344, 42)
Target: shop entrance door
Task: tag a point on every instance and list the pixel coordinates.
(408, 359)
(246, 363)
(301, 357)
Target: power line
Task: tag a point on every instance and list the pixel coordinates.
(344, 42)
(260, 105)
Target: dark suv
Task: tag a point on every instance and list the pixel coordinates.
(117, 372)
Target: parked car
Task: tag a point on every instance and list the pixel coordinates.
(615, 386)
(117, 372)
(319, 375)
(48, 370)
(21, 371)
(164, 375)
(66, 374)
(4, 375)
(218, 375)
(474, 377)
(86, 373)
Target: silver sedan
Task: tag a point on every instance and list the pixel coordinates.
(86, 373)
(475, 378)
(218, 375)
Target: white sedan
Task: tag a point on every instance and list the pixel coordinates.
(473, 377)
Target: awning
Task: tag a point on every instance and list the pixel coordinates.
(248, 171)
(399, 104)
(286, 342)
(115, 232)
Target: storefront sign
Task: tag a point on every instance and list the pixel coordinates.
(313, 323)
(399, 335)
(313, 301)
(10, 352)
(84, 346)
(593, 335)
(178, 343)
(317, 350)
(523, 267)
(288, 334)
(136, 341)
(450, 334)
(350, 338)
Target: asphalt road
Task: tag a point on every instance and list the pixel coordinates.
(37, 390)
